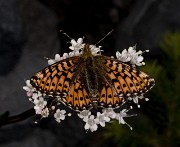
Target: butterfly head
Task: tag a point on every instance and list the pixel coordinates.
(87, 53)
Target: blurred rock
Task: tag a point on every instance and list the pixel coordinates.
(39, 25)
(41, 42)
(11, 36)
(26, 136)
(147, 22)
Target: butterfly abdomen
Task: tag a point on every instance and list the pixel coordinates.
(91, 78)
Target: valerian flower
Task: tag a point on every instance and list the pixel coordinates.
(135, 99)
(95, 50)
(91, 124)
(40, 103)
(29, 89)
(120, 117)
(59, 115)
(44, 106)
(109, 112)
(76, 45)
(57, 58)
(84, 114)
(102, 119)
(45, 112)
(130, 55)
(123, 56)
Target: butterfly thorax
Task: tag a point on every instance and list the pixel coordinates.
(90, 74)
(86, 52)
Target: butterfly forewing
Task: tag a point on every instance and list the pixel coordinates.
(55, 78)
(57, 81)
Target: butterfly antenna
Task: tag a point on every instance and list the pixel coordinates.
(61, 31)
(104, 36)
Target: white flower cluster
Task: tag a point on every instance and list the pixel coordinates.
(128, 55)
(135, 99)
(92, 121)
(131, 56)
(37, 98)
(40, 103)
(76, 48)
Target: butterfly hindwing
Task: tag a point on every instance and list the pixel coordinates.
(78, 98)
(108, 98)
(57, 80)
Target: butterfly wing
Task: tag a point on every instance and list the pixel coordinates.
(62, 80)
(116, 82)
(54, 79)
(108, 97)
(78, 98)
(123, 81)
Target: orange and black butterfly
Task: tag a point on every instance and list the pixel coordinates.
(86, 81)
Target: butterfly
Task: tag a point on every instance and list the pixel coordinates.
(87, 81)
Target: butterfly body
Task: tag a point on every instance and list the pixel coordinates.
(87, 81)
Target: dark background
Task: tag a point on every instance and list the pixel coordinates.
(29, 31)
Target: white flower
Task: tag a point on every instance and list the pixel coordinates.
(102, 118)
(132, 50)
(91, 124)
(57, 58)
(131, 56)
(37, 94)
(109, 112)
(38, 110)
(59, 115)
(84, 114)
(75, 53)
(39, 105)
(45, 112)
(29, 88)
(146, 99)
(136, 99)
(65, 56)
(95, 50)
(124, 56)
(119, 117)
(51, 61)
(76, 45)
(135, 58)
